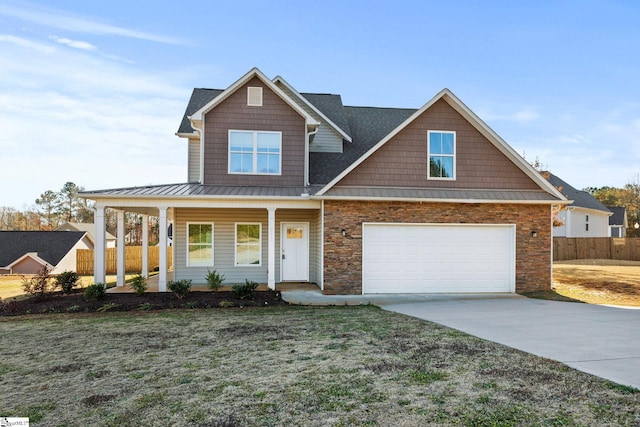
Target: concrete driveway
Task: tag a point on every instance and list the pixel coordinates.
(602, 341)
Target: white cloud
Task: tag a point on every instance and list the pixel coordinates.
(522, 116)
(70, 115)
(25, 43)
(53, 18)
(73, 43)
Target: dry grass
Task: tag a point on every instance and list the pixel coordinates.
(599, 281)
(294, 366)
(11, 285)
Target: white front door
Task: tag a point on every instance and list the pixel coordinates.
(295, 252)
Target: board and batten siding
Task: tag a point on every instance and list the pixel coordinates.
(224, 221)
(193, 161)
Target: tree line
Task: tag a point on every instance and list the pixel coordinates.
(54, 208)
(627, 196)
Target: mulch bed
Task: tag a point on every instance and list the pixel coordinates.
(76, 303)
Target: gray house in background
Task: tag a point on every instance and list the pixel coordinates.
(26, 252)
(585, 217)
(618, 222)
(88, 228)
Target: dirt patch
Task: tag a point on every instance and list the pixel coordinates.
(599, 281)
(76, 303)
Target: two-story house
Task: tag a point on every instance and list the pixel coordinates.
(286, 186)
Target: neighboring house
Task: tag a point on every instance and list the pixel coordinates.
(26, 252)
(285, 186)
(88, 228)
(585, 217)
(618, 222)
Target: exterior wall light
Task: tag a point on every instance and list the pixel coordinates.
(343, 232)
(534, 233)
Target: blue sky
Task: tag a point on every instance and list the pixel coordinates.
(93, 92)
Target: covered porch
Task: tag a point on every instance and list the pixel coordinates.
(223, 242)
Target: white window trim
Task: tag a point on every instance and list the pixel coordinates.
(255, 92)
(254, 153)
(455, 155)
(212, 245)
(235, 244)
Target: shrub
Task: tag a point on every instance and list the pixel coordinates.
(180, 288)
(67, 280)
(139, 285)
(214, 280)
(107, 307)
(39, 285)
(95, 292)
(245, 291)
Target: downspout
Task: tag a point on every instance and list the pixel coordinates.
(308, 139)
(197, 125)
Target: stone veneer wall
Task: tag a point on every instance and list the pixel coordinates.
(343, 254)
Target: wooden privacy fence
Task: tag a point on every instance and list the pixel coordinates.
(132, 259)
(620, 248)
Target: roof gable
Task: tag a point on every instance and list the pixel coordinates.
(50, 246)
(447, 96)
(197, 117)
(619, 216)
(86, 227)
(330, 107)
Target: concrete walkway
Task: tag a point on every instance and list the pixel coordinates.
(602, 341)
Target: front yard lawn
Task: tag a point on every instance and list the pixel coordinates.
(286, 366)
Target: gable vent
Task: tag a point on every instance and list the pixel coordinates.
(254, 96)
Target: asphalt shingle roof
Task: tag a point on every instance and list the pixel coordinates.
(580, 198)
(51, 246)
(199, 98)
(368, 126)
(619, 213)
(331, 106)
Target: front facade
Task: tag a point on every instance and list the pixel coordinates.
(290, 187)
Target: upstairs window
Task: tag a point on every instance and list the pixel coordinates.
(441, 150)
(255, 152)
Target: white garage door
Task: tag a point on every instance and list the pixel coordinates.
(424, 258)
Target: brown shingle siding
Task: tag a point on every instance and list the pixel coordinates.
(274, 115)
(402, 161)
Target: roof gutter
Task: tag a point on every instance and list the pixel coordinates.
(429, 200)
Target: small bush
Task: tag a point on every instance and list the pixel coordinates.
(180, 288)
(95, 292)
(245, 291)
(214, 280)
(41, 285)
(67, 280)
(145, 306)
(107, 307)
(139, 285)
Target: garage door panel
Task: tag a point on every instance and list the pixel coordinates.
(422, 258)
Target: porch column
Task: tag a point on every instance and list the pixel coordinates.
(271, 244)
(121, 249)
(100, 247)
(145, 246)
(162, 241)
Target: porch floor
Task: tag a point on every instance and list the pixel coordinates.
(153, 286)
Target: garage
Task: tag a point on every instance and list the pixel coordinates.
(437, 258)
